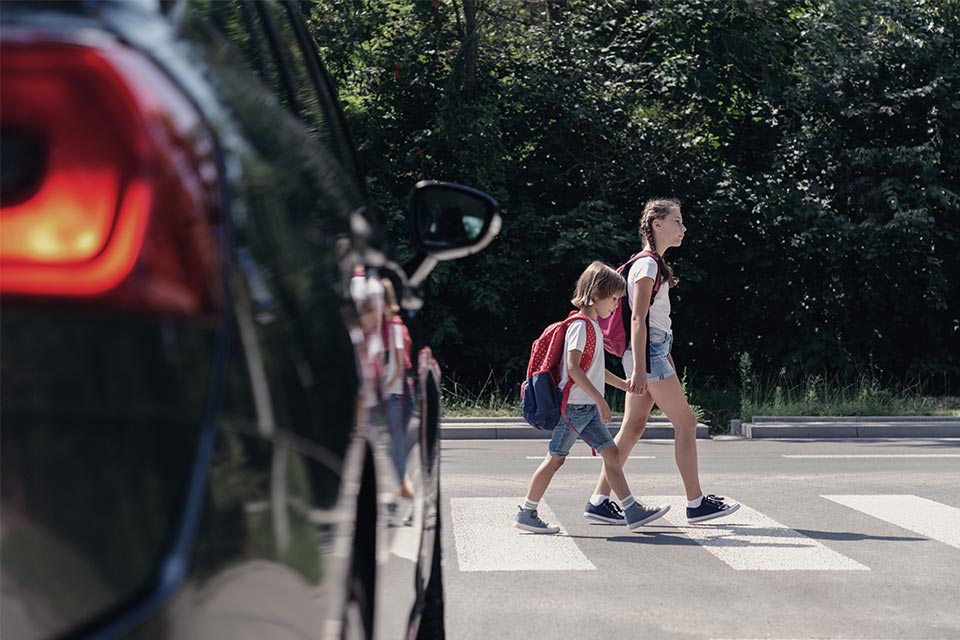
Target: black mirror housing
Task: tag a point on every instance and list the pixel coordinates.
(450, 221)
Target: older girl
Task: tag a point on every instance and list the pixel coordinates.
(651, 373)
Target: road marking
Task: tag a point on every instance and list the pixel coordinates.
(750, 541)
(877, 455)
(486, 539)
(926, 517)
(594, 457)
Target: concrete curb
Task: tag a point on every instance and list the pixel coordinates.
(852, 427)
(517, 429)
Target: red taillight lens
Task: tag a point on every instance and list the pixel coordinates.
(108, 181)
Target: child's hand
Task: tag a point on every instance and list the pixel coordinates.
(605, 413)
(638, 383)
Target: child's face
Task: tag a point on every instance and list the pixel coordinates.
(606, 306)
(670, 230)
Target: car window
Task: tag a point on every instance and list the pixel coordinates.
(276, 46)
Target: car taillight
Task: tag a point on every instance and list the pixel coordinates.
(109, 182)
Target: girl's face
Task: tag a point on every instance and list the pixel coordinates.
(606, 306)
(670, 230)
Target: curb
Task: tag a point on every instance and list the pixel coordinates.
(516, 429)
(852, 427)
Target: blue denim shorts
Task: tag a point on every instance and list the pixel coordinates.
(586, 419)
(661, 343)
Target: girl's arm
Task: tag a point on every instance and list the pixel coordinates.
(642, 289)
(614, 380)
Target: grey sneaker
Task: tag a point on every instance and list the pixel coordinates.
(638, 514)
(528, 520)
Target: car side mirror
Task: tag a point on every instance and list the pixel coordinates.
(450, 221)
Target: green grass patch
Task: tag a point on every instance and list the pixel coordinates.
(717, 402)
(823, 395)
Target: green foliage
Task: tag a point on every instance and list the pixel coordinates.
(747, 386)
(865, 396)
(813, 144)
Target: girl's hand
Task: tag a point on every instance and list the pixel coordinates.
(605, 413)
(638, 383)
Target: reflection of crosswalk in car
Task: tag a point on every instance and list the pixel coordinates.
(187, 445)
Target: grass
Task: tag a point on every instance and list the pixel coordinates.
(492, 400)
(716, 403)
(821, 395)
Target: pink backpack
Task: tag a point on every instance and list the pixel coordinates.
(616, 326)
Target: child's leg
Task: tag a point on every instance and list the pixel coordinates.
(564, 435)
(635, 415)
(669, 396)
(542, 477)
(613, 471)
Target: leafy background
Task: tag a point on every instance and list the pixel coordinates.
(814, 145)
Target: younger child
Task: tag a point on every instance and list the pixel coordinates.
(596, 294)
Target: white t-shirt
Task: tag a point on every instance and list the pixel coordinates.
(576, 340)
(374, 349)
(646, 267)
(392, 364)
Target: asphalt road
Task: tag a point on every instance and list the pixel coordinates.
(836, 539)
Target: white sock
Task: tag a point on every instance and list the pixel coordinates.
(693, 504)
(627, 502)
(530, 504)
(597, 499)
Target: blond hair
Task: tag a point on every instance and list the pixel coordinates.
(598, 281)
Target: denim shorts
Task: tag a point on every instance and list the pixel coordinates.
(586, 419)
(661, 343)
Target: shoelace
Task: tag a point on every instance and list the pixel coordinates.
(614, 507)
(536, 517)
(716, 501)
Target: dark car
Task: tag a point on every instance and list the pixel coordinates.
(194, 435)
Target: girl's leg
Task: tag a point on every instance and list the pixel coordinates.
(635, 414)
(669, 396)
(614, 472)
(542, 477)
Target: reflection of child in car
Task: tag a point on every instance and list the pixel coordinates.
(393, 376)
(367, 294)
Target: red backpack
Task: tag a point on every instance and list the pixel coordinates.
(542, 402)
(616, 327)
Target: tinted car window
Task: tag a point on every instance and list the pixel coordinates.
(277, 48)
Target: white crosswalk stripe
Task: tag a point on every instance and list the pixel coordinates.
(920, 515)
(750, 541)
(486, 540)
(746, 540)
(868, 456)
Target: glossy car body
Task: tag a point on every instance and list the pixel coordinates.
(190, 445)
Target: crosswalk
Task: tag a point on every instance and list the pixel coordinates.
(745, 541)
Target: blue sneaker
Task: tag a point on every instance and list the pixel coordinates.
(711, 507)
(638, 515)
(607, 512)
(528, 520)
